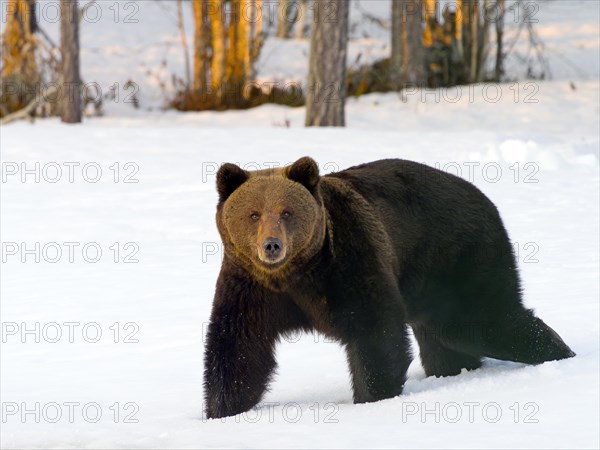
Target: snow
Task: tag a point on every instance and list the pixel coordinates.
(532, 147)
(167, 294)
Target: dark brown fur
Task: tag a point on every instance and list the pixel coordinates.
(367, 252)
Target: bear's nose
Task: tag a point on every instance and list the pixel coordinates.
(272, 247)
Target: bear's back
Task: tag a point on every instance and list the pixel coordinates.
(416, 189)
(432, 218)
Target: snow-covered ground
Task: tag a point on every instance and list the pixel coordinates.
(139, 188)
(538, 162)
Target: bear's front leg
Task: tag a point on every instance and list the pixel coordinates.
(239, 354)
(378, 359)
(239, 360)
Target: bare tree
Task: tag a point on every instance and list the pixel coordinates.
(301, 18)
(256, 34)
(283, 26)
(474, 40)
(184, 44)
(20, 71)
(238, 65)
(244, 49)
(201, 45)
(396, 57)
(327, 66)
(485, 39)
(459, 31)
(430, 7)
(227, 43)
(219, 50)
(69, 46)
(407, 63)
(18, 41)
(499, 69)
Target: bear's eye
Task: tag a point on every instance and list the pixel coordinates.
(286, 215)
(254, 216)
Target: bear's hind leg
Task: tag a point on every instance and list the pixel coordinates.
(440, 361)
(523, 337)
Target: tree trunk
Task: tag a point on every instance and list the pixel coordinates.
(184, 44)
(218, 48)
(199, 72)
(237, 47)
(397, 46)
(466, 36)
(18, 42)
(430, 21)
(484, 47)
(282, 22)
(474, 35)
(407, 64)
(69, 43)
(499, 69)
(201, 35)
(257, 34)
(301, 19)
(327, 67)
(230, 52)
(459, 31)
(244, 51)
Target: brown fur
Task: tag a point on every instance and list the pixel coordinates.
(363, 254)
(269, 193)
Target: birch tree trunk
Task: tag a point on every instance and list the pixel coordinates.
(201, 36)
(218, 47)
(327, 67)
(257, 34)
(244, 53)
(282, 23)
(69, 46)
(231, 68)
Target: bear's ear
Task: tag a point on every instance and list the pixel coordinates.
(304, 171)
(229, 178)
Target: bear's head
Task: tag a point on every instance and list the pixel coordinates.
(272, 220)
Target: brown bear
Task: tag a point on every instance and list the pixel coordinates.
(359, 256)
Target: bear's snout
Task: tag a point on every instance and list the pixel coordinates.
(273, 248)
